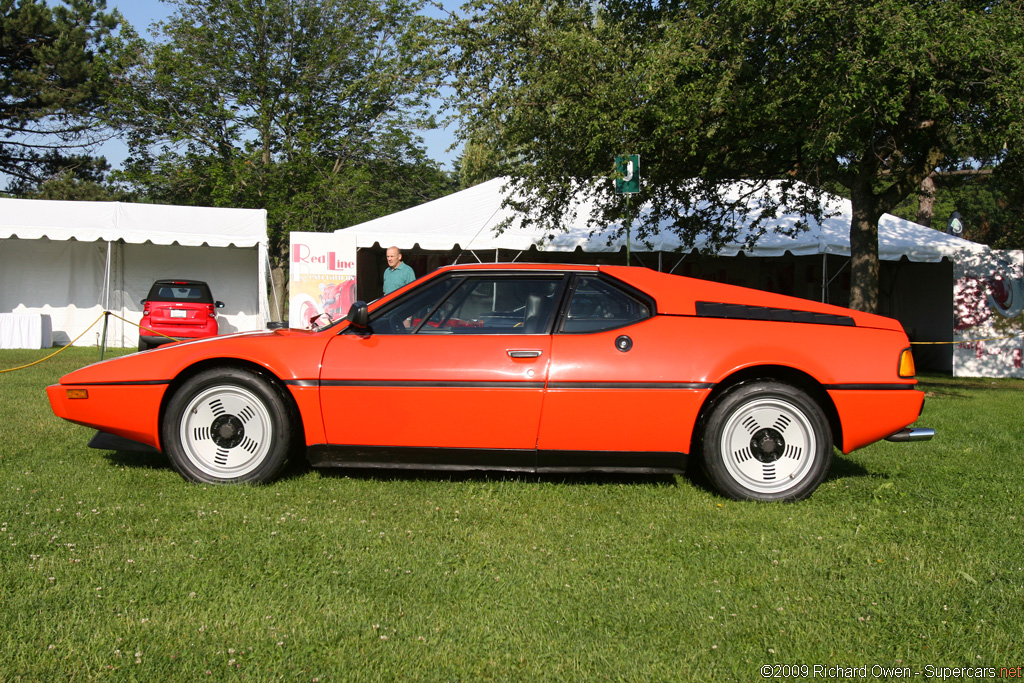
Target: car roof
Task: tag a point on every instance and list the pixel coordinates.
(176, 281)
(544, 267)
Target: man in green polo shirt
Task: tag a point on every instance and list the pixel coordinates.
(397, 274)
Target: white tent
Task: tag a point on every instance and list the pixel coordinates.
(467, 219)
(73, 260)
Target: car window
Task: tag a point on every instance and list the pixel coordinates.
(496, 306)
(598, 305)
(408, 312)
(185, 293)
(474, 305)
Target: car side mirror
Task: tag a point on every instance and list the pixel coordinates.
(142, 301)
(219, 304)
(358, 315)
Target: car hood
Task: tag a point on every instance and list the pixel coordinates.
(289, 354)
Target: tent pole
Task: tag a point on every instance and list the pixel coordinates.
(273, 287)
(106, 302)
(824, 275)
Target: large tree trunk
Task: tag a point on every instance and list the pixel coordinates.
(864, 251)
(926, 202)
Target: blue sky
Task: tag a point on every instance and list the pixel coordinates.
(142, 13)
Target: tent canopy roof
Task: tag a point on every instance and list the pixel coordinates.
(467, 220)
(133, 223)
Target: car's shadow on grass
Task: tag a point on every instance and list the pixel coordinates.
(138, 460)
(155, 460)
(485, 475)
(842, 468)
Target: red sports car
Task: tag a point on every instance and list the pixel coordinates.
(535, 368)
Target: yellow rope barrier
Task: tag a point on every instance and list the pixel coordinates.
(60, 350)
(966, 341)
(72, 342)
(140, 326)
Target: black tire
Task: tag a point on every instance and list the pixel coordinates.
(226, 426)
(766, 441)
(143, 346)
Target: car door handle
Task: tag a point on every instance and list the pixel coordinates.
(524, 353)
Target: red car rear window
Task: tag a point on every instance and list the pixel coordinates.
(181, 293)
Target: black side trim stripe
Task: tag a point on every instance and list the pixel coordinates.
(711, 309)
(428, 384)
(139, 382)
(870, 387)
(498, 385)
(630, 385)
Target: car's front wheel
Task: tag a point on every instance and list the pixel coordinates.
(767, 441)
(227, 425)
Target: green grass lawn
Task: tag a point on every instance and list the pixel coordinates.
(113, 568)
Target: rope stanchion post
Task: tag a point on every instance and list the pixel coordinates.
(103, 342)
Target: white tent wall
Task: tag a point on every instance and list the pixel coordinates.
(70, 260)
(61, 279)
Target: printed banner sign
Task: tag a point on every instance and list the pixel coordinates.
(988, 314)
(322, 277)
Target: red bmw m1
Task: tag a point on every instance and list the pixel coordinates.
(528, 368)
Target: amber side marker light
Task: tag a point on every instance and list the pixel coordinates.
(77, 393)
(907, 370)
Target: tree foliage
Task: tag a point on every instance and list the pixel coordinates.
(307, 109)
(871, 95)
(56, 70)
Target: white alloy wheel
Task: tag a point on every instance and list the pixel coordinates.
(227, 425)
(768, 446)
(226, 431)
(767, 441)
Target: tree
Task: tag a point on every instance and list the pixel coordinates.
(305, 108)
(56, 70)
(870, 95)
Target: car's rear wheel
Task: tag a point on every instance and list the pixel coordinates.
(227, 425)
(766, 441)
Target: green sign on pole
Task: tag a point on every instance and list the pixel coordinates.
(627, 167)
(627, 182)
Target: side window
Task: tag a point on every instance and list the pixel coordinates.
(473, 305)
(496, 305)
(407, 314)
(597, 305)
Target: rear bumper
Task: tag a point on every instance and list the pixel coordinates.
(908, 434)
(158, 341)
(870, 414)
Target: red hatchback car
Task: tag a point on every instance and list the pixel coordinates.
(176, 310)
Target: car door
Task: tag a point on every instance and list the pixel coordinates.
(614, 382)
(458, 363)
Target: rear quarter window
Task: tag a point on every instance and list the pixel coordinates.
(597, 305)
